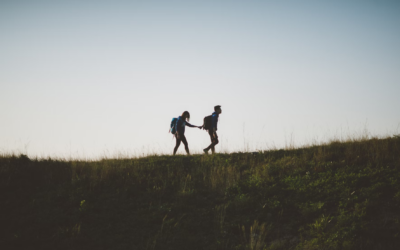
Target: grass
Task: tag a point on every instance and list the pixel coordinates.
(339, 195)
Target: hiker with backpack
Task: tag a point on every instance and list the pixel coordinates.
(210, 124)
(178, 129)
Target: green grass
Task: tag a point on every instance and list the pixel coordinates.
(341, 195)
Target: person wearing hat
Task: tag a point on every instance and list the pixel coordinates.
(213, 131)
(180, 131)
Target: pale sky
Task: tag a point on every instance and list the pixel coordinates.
(89, 79)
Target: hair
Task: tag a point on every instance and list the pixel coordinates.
(186, 113)
(217, 107)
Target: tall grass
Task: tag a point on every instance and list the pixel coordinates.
(342, 194)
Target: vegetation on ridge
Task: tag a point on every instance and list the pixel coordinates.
(342, 195)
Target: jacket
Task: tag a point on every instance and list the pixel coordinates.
(181, 124)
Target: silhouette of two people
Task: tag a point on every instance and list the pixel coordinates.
(210, 124)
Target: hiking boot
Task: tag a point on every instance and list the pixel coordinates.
(205, 151)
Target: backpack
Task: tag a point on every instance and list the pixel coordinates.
(173, 125)
(207, 124)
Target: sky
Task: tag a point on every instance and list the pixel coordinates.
(93, 79)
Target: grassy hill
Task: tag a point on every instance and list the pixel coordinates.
(342, 195)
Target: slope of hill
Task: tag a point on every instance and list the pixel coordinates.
(342, 195)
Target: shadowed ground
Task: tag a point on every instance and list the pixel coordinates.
(342, 195)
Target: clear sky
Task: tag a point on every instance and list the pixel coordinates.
(102, 78)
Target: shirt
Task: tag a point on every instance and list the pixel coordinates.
(214, 120)
(180, 125)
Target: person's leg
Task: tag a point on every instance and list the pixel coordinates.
(214, 141)
(185, 143)
(208, 148)
(178, 142)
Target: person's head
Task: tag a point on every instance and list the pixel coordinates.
(186, 115)
(218, 109)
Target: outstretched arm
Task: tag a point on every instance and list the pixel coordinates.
(192, 126)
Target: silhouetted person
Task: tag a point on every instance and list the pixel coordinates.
(213, 130)
(180, 131)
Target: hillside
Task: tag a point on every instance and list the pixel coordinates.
(342, 195)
